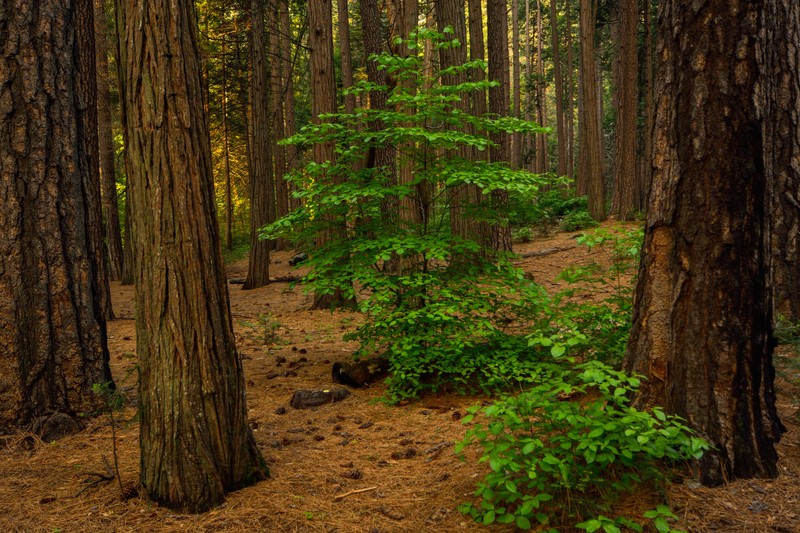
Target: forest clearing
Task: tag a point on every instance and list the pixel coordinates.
(321, 458)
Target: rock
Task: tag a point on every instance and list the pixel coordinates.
(55, 426)
(298, 258)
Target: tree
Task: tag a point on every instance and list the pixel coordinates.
(557, 67)
(497, 45)
(52, 325)
(701, 327)
(780, 104)
(623, 204)
(108, 176)
(590, 162)
(260, 163)
(195, 441)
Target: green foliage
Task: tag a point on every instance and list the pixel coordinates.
(568, 447)
(558, 206)
(445, 309)
(592, 317)
(265, 330)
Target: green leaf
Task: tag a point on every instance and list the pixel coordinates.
(522, 522)
(557, 350)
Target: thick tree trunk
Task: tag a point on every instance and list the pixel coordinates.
(497, 20)
(701, 327)
(195, 441)
(623, 205)
(108, 177)
(560, 119)
(780, 105)
(52, 326)
(261, 187)
(591, 146)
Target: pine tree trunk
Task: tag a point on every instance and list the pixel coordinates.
(288, 100)
(195, 441)
(560, 126)
(277, 114)
(646, 170)
(516, 84)
(590, 171)
(780, 104)
(261, 187)
(346, 55)
(113, 234)
(701, 327)
(226, 153)
(323, 101)
(625, 171)
(52, 325)
(570, 96)
(541, 95)
(497, 47)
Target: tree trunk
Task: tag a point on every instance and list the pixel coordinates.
(323, 100)
(261, 186)
(516, 83)
(560, 126)
(497, 21)
(288, 99)
(646, 170)
(528, 150)
(570, 96)
(780, 104)
(278, 84)
(346, 55)
(541, 95)
(195, 441)
(105, 136)
(591, 146)
(226, 153)
(701, 327)
(52, 325)
(623, 204)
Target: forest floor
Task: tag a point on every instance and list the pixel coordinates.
(358, 465)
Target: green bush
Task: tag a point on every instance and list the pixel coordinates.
(445, 309)
(566, 448)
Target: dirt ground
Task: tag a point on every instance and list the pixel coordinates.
(353, 466)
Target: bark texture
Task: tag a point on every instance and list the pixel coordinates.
(261, 186)
(701, 328)
(623, 204)
(52, 326)
(590, 161)
(561, 130)
(779, 99)
(497, 47)
(108, 178)
(195, 441)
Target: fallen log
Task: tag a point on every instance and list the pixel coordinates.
(303, 399)
(545, 251)
(360, 373)
(277, 279)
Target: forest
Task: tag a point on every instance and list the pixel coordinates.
(400, 266)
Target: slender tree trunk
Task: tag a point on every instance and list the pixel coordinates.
(528, 151)
(277, 113)
(195, 441)
(701, 327)
(570, 95)
(323, 100)
(346, 54)
(623, 204)
(497, 20)
(541, 95)
(260, 163)
(516, 138)
(288, 94)
(780, 105)
(646, 170)
(113, 234)
(557, 68)
(591, 148)
(52, 321)
(226, 154)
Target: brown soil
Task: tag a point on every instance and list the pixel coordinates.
(356, 465)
